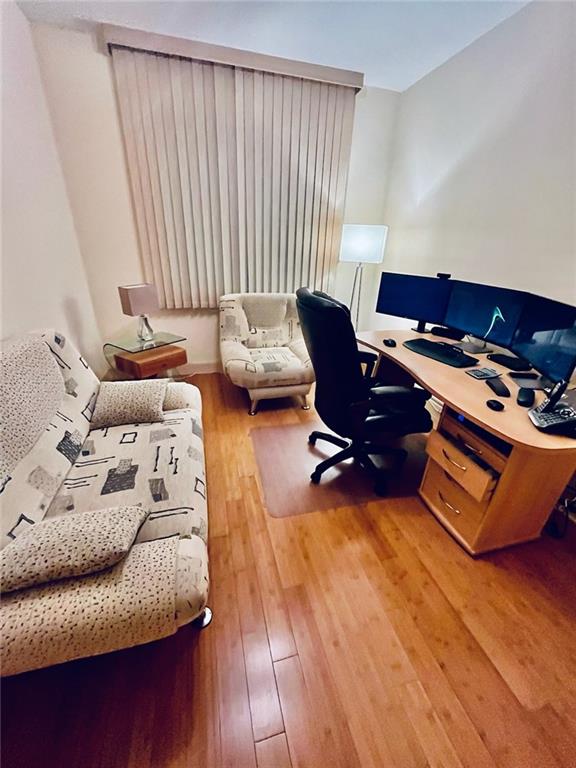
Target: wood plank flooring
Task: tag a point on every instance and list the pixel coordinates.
(359, 636)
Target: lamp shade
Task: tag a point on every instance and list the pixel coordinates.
(139, 299)
(363, 243)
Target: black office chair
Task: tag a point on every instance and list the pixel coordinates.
(348, 401)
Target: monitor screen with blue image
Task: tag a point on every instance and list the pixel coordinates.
(485, 311)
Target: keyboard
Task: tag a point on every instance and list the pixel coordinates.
(444, 353)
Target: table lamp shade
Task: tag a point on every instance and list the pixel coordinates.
(363, 243)
(140, 299)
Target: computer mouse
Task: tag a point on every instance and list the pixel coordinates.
(389, 343)
(495, 405)
(525, 397)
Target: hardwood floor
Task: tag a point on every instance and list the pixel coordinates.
(361, 636)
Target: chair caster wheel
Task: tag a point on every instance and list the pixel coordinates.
(380, 488)
(315, 477)
(311, 440)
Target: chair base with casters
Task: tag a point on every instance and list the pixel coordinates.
(349, 400)
(361, 452)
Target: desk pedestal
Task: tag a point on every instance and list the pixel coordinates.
(487, 493)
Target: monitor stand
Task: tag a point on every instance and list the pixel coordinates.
(421, 327)
(476, 348)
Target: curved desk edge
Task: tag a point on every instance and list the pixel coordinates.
(467, 395)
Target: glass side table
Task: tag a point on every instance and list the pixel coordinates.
(129, 342)
(138, 359)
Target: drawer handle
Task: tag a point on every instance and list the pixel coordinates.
(443, 500)
(454, 462)
(477, 451)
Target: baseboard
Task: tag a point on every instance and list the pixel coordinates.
(191, 368)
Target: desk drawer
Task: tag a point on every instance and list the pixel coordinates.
(473, 443)
(451, 503)
(478, 482)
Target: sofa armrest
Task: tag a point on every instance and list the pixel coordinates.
(180, 395)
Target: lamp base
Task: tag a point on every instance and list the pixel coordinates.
(144, 332)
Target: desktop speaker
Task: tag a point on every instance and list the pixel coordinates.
(447, 333)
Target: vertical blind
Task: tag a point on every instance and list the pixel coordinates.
(238, 176)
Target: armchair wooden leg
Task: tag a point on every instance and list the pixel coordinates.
(304, 401)
(253, 407)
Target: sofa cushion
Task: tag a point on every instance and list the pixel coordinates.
(129, 604)
(158, 466)
(30, 487)
(129, 402)
(31, 389)
(74, 545)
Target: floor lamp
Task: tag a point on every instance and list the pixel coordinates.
(362, 244)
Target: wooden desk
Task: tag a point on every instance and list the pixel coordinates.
(492, 478)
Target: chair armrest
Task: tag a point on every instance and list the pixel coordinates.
(232, 354)
(399, 395)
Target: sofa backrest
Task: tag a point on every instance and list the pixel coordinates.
(259, 320)
(46, 401)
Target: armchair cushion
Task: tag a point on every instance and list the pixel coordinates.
(72, 545)
(129, 402)
(269, 367)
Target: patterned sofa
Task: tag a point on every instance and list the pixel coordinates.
(52, 465)
(262, 347)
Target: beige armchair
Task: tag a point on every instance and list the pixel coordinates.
(262, 347)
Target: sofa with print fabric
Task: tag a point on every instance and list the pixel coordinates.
(262, 347)
(66, 595)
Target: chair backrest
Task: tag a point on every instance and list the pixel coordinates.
(259, 320)
(333, 350)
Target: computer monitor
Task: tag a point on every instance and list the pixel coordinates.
(485, 311)
(414, 297)
(546, 337)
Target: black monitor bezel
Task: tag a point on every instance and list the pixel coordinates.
(541, 370)
(510, 346)
(417, 318)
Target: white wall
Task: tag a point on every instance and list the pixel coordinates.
(374, 123)
(79, 85)
(43, 279)
(484, 174)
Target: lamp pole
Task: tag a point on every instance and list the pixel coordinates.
(358, 273)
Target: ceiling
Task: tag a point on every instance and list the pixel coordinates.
(393, 43)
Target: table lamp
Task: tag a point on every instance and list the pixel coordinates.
(363, 244)
(137, 301)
